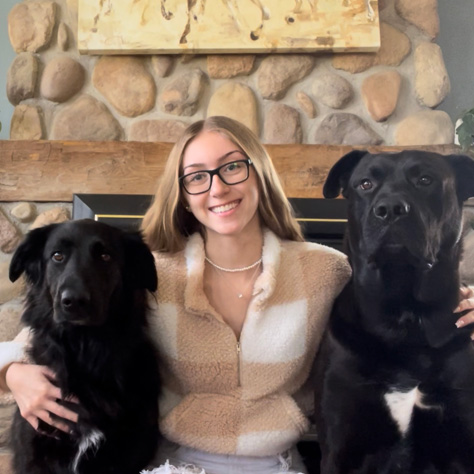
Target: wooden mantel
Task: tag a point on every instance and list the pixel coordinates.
(46, 171)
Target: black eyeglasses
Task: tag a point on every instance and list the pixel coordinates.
(199, 182)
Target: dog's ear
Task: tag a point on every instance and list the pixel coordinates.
(139, 263)
(463, 167)
(340, 173)
(28, 256)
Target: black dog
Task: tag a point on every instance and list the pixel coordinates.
(398, 384)
(86, 305)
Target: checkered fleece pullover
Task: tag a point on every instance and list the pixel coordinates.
(227, 396)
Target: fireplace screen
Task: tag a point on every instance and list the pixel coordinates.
(323, 221)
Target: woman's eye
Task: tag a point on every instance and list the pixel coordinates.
(197, 177)
(232, 166)
(57, 257)
(105, 257)
(425, 180)
(366, 184)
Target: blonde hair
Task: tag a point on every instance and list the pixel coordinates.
(167, 223)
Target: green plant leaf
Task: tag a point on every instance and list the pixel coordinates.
(465, 131)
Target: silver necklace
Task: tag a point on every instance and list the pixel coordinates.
(240, 294)
(233, 270)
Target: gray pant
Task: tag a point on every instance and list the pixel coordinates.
(227, 464)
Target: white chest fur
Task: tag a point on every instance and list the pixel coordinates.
(401, 405)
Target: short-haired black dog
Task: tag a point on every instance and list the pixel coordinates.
(398, 385)
(86, 305)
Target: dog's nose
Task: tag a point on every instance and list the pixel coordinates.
(391, 210)
(71, 300)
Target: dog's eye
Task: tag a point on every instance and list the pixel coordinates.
(366, 184)
(57, 257)
(425, 180)
(105, 257)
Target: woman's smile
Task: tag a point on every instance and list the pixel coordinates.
(224, 208)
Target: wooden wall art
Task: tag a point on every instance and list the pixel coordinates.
(227, 26)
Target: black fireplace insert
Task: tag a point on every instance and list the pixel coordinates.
(322, 220)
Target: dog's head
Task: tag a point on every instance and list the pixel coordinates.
(403, 207)
(83, 268)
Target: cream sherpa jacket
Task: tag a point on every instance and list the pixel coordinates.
(238, 397)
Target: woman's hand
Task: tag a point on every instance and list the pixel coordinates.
(466, 303)
(37, 397)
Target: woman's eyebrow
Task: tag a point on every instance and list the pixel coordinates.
(220, 159)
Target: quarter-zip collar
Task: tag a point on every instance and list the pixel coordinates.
(195, 299)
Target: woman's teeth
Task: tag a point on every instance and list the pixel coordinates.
(225, 207)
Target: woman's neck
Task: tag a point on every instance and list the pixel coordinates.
(234, 251)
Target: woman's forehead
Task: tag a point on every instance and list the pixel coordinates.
(209, 148)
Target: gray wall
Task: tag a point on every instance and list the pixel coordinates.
(456, 40)
(6, 57)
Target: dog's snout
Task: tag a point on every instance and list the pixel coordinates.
(72, 300)
(391, 210)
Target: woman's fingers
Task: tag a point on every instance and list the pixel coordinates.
(52, 421)
(55, 408)
(38, 398)
(466, 304)
(466, 292)
(465, 319)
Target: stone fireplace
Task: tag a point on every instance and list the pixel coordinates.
(104, 124)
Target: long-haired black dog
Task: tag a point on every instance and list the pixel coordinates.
(86, 307)
(398, 386)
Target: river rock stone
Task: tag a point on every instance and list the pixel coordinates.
(421, 13)
(432, 83)
(332, 90)
(8, 290)
(353, 62)
(30, 25)
(278, 73)
(283, 125)
(156, 131)
(225, 66)
(24, 211)
(236, 101)
(63, 37)
(306, 104)
(395, 47)
(181, 96)
(427, 127)
(55, 215)
(345, 129)
(162, 65)
(86, 119)
(9, 234)
(380, 93)
(10, 321)
(26, 123)
(63, 77)
(126, 83)
(21, 78)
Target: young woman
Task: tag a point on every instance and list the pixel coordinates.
(239, 313)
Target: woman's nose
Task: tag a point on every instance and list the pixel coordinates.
(218, 186)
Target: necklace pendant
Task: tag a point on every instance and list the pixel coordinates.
(240, 295)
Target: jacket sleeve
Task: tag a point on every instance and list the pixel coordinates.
(12, 351)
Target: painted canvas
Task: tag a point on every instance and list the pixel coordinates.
(227, 26)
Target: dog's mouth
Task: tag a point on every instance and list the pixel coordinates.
(401, 248)
(86, 316)
(67, 319)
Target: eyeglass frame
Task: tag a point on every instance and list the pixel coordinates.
(214, 172)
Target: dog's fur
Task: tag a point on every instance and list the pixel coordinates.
(398, 377)
(86, 305)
